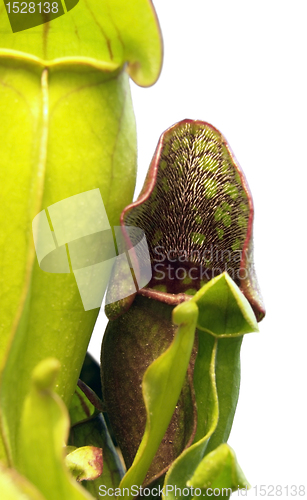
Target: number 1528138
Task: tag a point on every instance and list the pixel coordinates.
(32, 8)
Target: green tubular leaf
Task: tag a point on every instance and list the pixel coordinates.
(223, 309)
(43, 430)
(184, 466)
(162, 384)
(228, 386)
(203, 383)
(15, 487)
(112, 31)
(23, 142)
(224, 312)
(219, 469)
(75, 133)
(224, 315)
(89, 429)
(94, 432)
(67, 127)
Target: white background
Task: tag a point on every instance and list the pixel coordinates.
(241, 65)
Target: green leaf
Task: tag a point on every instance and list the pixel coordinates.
(223, 309)
(89, 429)
(43, 431)
(227, 375)
(67, 127)
(219, 469)
(15, 487)
(85, 463)
(224, 314)
(162, 384)
(204, 380)
(56, 138)
(184, 466)
(112, 32)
